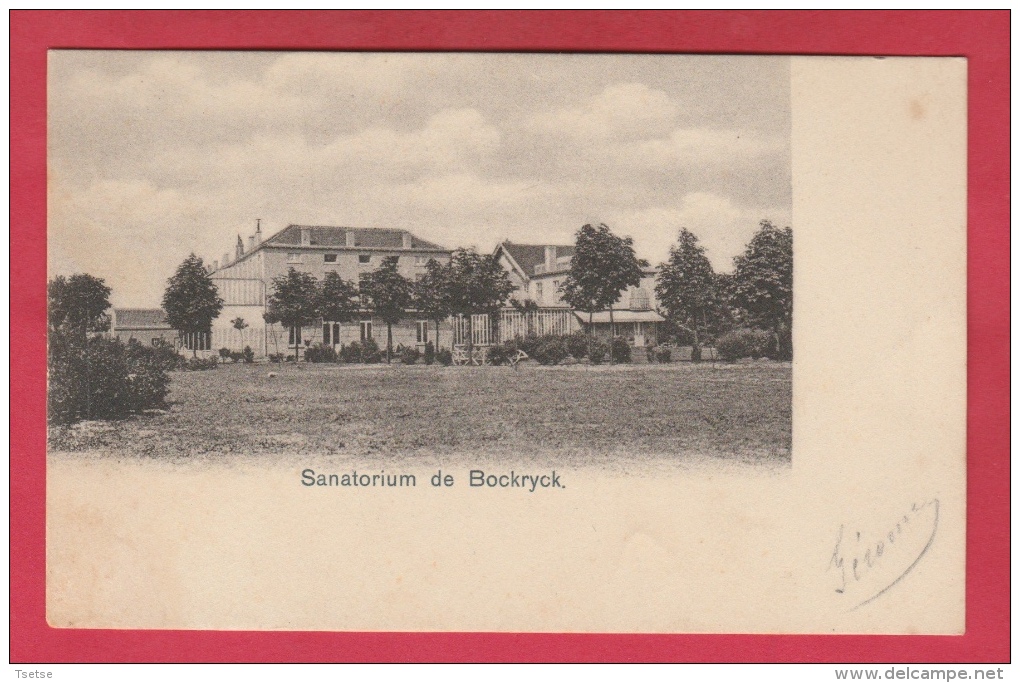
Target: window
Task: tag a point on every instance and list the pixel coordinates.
(421, 260)
(329, 258)
(294, 338)
(294, 257)
(156, 341)
(325, 334)
(366, 330)
(364, 258)
(538, 291)
(423, 332)
(330, 334)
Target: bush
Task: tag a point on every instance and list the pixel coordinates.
(162, 353)
(500, 354)
(745, 343)
(444, 356)
(528, 344)
(663, 354)
(276, 358)
(410, 355)
(620, 350)
(198, 364)
(101, 378)
(320, 354)
(430, 353)
(550, 350)
(225, 353)
(599, 351)
(577, 344)
(248, 356)
(370, 352)
(350, 353)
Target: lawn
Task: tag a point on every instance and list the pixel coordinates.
(571, 414)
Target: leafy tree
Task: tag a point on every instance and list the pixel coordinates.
(239, 323)
(602, 267)
(388, 294)
(686, 286)
(478, 285)
(294, 303)
(77, 306)
(191, 300)
(338, 299)
(432, 293)
(762, 283)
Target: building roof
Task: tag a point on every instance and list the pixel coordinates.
(623, 317)
(527, 256)
(334, 236)
(139, 319)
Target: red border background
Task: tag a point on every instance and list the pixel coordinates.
(983, 37)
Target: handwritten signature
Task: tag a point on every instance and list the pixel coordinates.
(871, 566)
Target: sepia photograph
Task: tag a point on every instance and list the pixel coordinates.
(496, 342)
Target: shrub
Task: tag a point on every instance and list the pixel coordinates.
(248, 356)
(350, 353)
(663, 354)
(499, 354)
(101, 378)
(528, 344)
(577, 344)
(163, 354)
(320, 354)
(276, 358)
(550, 350)
(430, 353)
(650, 353)
(620, 350)
(370, 352)
(225, 353)
(599, 351)
(410, 355)
(745, 343)
(198, 364)
(444, 356)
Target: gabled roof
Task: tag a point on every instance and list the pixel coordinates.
(333, 236)
(527, 256)
(139, 318)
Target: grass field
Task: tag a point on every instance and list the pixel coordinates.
(573, 414)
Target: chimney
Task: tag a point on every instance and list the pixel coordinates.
(350, 237)
(406, 237)
(226, 260)
(258, 231)
(306, 237)
(251, 243)
(550, 257)
(215, 264)
(239, 249)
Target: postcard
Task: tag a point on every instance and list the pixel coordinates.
(497, 342)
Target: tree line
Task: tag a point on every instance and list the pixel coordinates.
(698, 303)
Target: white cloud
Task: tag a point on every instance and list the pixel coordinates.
(627, 110)
(722, 227)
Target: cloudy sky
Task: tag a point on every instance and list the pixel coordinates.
(157, 154)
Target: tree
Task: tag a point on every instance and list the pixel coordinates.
(478, 285)
(762, 283)
(191, 300)
(685, 286)
(294, 304)
(432, 293)
(602, 267)
(77, 306)
(338, 299)
(388, 294)
(238, 323)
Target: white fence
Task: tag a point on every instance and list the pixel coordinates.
(510, 324)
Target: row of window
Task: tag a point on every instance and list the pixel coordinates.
(298, 257)
(331, 333)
